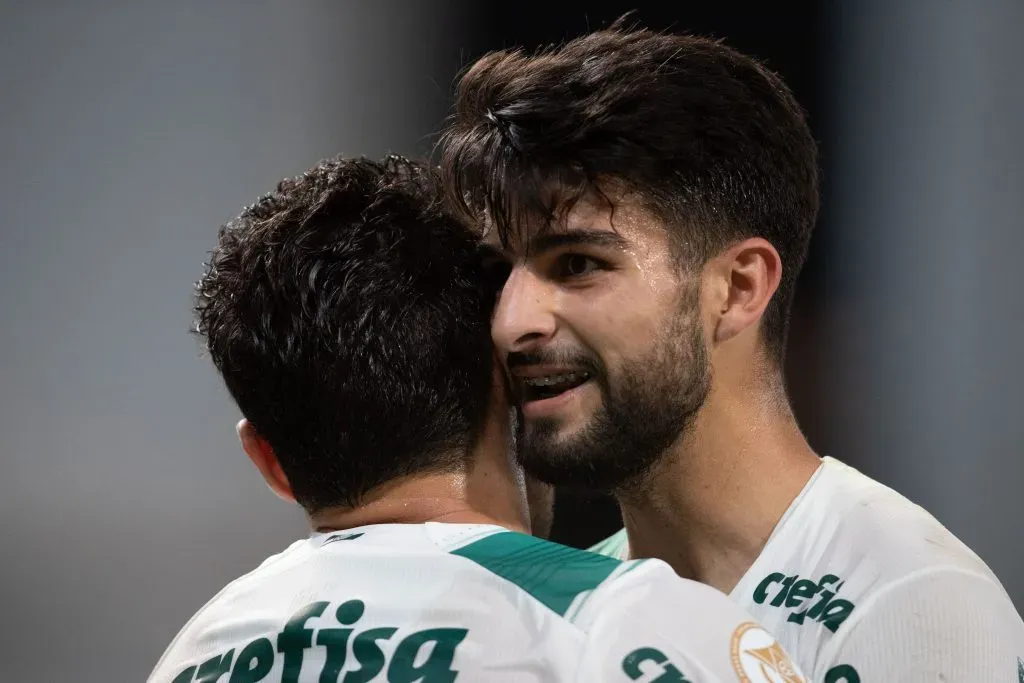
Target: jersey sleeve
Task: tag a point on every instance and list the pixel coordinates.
(648, 624)
(935, 625)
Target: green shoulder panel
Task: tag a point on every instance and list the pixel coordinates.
(553, 574)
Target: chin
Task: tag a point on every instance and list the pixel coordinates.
(560, 431)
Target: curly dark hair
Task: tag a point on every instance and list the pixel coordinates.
(345, 313)
(712, 141)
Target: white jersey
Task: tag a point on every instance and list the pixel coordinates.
(438, 603)
(862, 586)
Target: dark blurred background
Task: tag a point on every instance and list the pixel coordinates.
(128, 133)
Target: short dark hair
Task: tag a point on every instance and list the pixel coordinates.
(712, 142)
(345, 313)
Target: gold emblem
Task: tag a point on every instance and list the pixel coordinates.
(758, 658)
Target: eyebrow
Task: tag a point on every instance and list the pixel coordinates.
(546, 241)
(551, 240)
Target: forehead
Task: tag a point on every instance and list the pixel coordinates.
(621, 214)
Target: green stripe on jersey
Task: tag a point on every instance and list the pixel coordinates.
(615, 546)
(553, 574)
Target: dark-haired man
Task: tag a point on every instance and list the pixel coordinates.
(345, 314)
(649, 199)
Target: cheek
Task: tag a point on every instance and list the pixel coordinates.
(620, 323)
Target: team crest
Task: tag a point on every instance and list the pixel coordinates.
(758, 658)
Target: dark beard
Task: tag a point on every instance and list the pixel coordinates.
(652, 404)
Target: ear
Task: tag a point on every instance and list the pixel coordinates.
(748, 274)
(263, 456)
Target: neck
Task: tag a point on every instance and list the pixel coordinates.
(720, 491)
(456, 498)
(489, 489)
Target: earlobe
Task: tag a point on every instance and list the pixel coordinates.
(752, 272)
(263, 456)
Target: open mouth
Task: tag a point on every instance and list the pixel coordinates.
(549, 386)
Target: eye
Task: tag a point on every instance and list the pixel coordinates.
(577, 265)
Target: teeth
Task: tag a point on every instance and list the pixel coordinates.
(552, 380)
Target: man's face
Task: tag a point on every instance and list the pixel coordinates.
(599, 328)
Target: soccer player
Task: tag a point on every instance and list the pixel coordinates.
(345, 314)
(649, 199)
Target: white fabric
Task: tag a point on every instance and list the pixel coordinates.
(293, 618)
(861, 585)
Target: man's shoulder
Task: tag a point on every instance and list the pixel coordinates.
(647, 606)
(224, 618)
(847, 531)
(863, 523)
(557, 576)
(408, 586)
(865, 515)
(849, 545)
(576, 584)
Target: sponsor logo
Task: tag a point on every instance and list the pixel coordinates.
(815, 600)
(758, 658)
(651, 665)
(420, 657)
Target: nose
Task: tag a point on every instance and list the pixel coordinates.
(524, 317)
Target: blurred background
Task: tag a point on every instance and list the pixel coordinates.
(130, 131)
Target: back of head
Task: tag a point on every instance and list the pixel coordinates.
(345, 315)
(711, 141)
